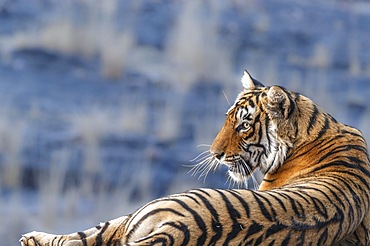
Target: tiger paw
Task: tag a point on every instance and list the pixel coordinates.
(36, 238)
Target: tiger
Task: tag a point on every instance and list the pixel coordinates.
(315, 189)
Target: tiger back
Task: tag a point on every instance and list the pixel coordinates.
(315, 190)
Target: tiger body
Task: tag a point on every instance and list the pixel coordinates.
(315, 190)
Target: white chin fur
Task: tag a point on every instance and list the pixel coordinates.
(237, 176)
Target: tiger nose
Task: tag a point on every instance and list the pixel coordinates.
(218, 155)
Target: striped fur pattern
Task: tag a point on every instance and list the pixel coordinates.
(315, 190)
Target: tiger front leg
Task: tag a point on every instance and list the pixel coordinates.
(45, 239)
(103, 234)
(37, 238)
(42, 238)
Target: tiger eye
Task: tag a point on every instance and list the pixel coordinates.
(246, 125)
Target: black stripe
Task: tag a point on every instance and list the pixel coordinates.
(352, 133)
(34, 240)
(168, 198)
(151, 213)
(272, 243)
(83, 238)
(314, 146)
(342, 148)
(291, 106)
(203, 191)
(52, 241)
(324, 128)
(60, 240)
(253, 229)
(269, 180)
(323, 238)
(271, 193)
(242, 201)
(330, 186)
(340, 216)
(99, 237)
(332, 118)
(298, 193)
(267, 125)
(259, 240)
(183, 228)
(286, 240)
(330, 143)
(147, 205)
(312, 119)
(319, 206)
(363, 226)
(262, 196)
(190, 197)
(260, 132)
(262, 207)
(216, 225)
(275, 228)
(349, 166)
(234, 216)
(302, 239)
(359, 163)
(158, 238)
(355, 198)
(304, 188)
(343, 186)
(111, 238)
(198, 219)
(296, 206)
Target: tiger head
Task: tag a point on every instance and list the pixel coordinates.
(259, 130)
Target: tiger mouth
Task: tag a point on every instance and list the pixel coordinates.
(232, 169)
(239, 168)
(238, 165)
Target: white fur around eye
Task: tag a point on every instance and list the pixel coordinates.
(245, 114)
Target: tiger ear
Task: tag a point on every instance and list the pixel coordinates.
(280, 103)
(250, 83)
(247, 81)
(281, 108)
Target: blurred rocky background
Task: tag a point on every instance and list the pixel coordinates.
(104, 104)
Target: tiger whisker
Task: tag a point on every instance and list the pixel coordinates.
(204, 145)
(229, 180)
(208, 163)
(201, 161)
(201, 155)
(245, 171)
(227, 99)
(205, 172)
(251, 175)
(242, 172)
(205, 161)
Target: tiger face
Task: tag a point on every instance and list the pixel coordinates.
(258, 131)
